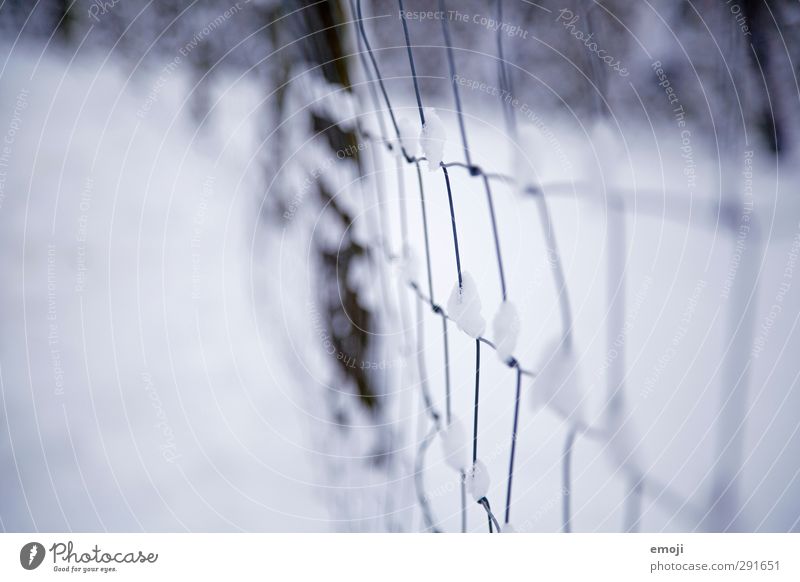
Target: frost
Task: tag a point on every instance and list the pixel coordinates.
(408, 135)
(454, 444)
(557, 384)
(464, 306)
(506, 330)
(478, 480)
(432, 138)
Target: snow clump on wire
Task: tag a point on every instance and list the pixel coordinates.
(408, 136)
(432, 138)
(506, 330)
(464, 307)
(454, 444)
(478, 480)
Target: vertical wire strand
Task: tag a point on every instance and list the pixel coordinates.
(371, 85)
(510, 119)
(455, 228)
(419, 480)
(615, 399)
(492, 519)
(453, 80)
(448, 408)
(419, 462)
(513, 446)
(377, 69)
(554, 258)
(733, 409)
(401, 202)
(566, 482)
(504, 77)
(405, 313)
(463, 502)
(633, 506)
(598, 74)
(477, 401)
(423, 370)
(411, 63)
(386, 234)
(426, 235)
(496, 238)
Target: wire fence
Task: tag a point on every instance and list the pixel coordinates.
(390, 136)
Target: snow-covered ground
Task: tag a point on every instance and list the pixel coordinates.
(137, 391)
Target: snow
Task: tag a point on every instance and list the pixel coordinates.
(455, 446)
(464, 307)
(168, 410)
(243, 398)
(557, 384)
(478, 480)
(673, 391)
(330, 98)
(506, 326)
(327, 233)
(358, 273)
(432, 138)
(409, 135)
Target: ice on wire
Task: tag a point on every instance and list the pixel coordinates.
(454, 444)
(506, 326)
(408, 135)
(478, 480)
(432, 138)
(464, 307)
